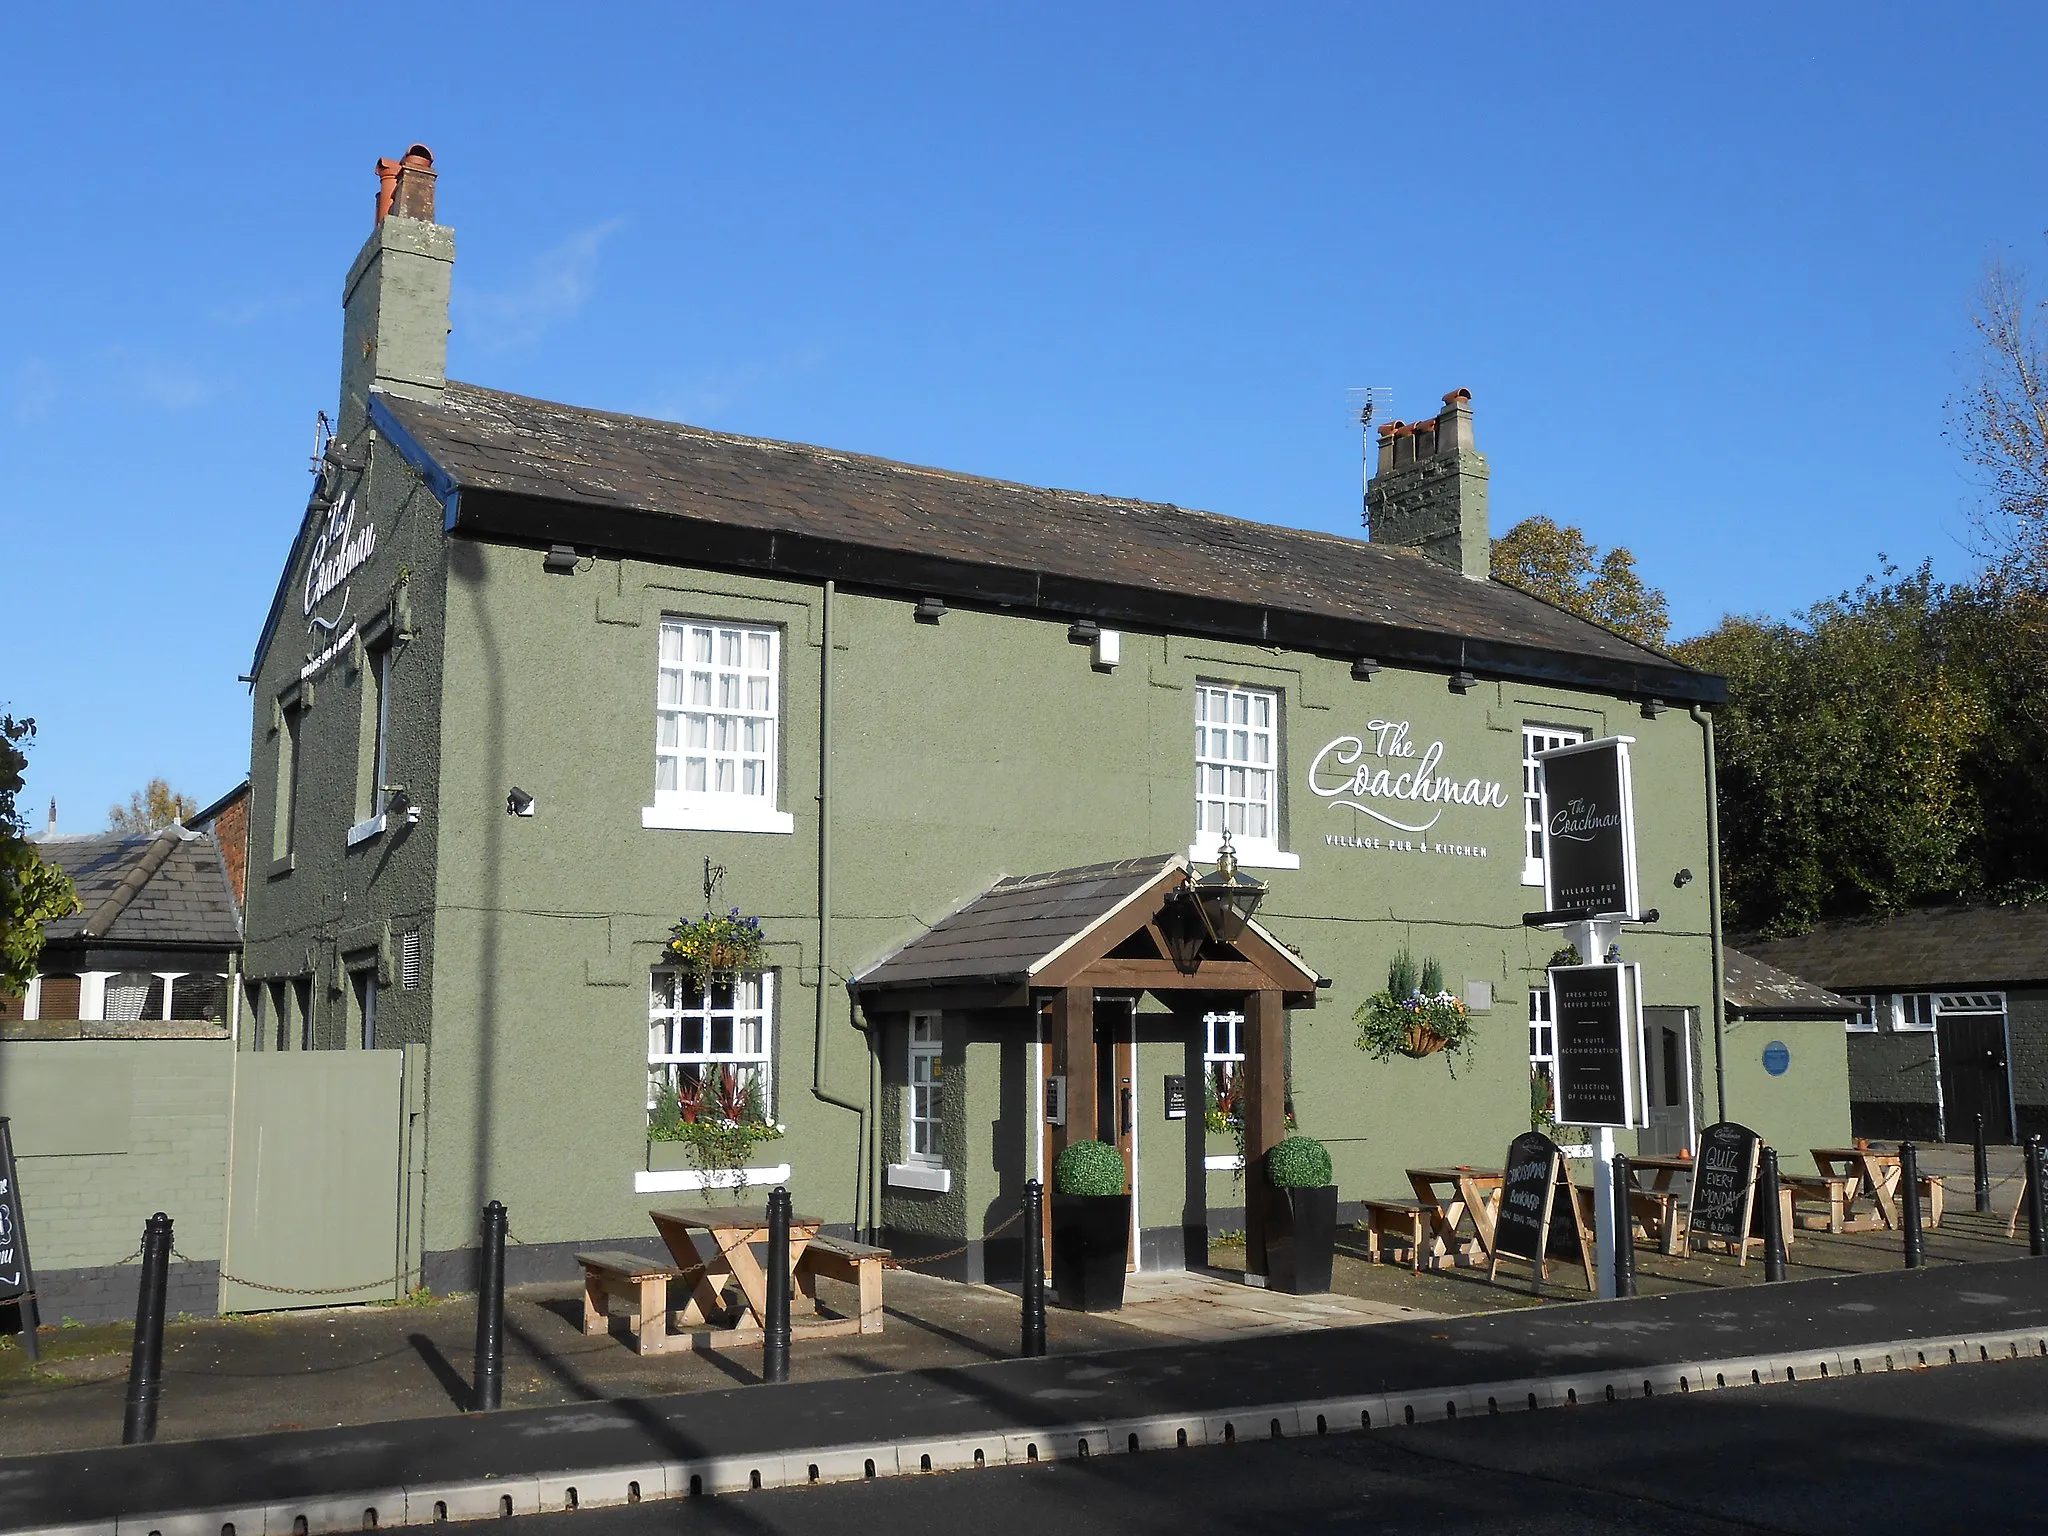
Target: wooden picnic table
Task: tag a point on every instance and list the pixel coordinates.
(733, 1232)
(1450, 1197)
(1877, 1177)
(1656, 1200)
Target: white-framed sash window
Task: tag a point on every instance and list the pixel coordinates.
(699, 1032)
(1222, 1049)
(1865, 1023)
(1535, 739)
(924, 1122)
(717, 720)
(1542, 1033)
(1237, 775)
(1913, 1013)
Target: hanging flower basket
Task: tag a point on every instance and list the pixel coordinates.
(718, 947)
(1414, 1017)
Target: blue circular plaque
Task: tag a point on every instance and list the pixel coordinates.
(1777, 1058)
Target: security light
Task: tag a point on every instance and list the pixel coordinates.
(560, 560)
(930, 610)
(1363, 669)
(1682, 879)
(518, 803)
(1083, 632)
(1463, 681)
(1652, 708)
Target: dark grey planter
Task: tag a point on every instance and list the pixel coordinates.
(1301, 1246)
(1091, 1237)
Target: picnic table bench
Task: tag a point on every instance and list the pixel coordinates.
(858, 1264)
(1397, 1221)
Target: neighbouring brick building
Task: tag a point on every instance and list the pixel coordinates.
(1952, 1017)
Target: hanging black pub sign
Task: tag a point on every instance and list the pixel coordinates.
(1589, 829)
(1596, 1021)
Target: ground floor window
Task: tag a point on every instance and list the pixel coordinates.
(1542, 1037)
(1222, 1057)
(927, 1089)
(710, 1043)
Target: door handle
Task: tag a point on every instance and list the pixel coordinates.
(1126, 1111)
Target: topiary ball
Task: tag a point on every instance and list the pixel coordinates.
(1299, 1162)
(1089, 1168)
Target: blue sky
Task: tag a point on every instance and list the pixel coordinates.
(1707, 273)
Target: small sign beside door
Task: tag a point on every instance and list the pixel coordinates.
(1176, 1096)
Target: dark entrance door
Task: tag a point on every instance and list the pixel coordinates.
(1973, 1076)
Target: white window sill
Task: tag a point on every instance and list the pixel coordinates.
(702, 817)
(671, 1180)
(363, 831)
(1250, 855)
(938, 1181)
(1227, 1163)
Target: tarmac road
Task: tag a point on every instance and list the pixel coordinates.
(1963, 1448)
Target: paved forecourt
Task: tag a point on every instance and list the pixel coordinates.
(1014, 1411)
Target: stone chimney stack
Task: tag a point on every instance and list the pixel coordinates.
(394, 333)
(1429, 490)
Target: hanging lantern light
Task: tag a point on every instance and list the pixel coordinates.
(1227, 898)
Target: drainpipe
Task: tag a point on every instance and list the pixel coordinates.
(1705, 722)
(818, 1088)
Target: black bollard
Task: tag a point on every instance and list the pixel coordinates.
(1909, 1204)
(146, 1365)
(1774, 1229)
(2037, 1226)
(1983, 1170)
(488, 1387)
(775, 1330)
(1034, 1270)
(1624, 1231)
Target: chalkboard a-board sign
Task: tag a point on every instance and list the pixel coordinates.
(1589, 853)
(1521, 1226)
(1724, 1183)
(15, 1278)
(1176, 1096)
(1596, 1030)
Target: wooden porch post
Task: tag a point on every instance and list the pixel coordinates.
(1265, 1115)
(1073, 1054)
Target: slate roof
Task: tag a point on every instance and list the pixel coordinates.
(533, 471)
(1761, 991)
(170, 889)
(1013, 927)
(1930, 948)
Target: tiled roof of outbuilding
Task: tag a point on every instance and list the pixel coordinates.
(168, 889)
(538, 472)
(1931, 947)
(1758, 990)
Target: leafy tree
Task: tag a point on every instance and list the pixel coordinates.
(32, 892)
(1886, 748)
(150, 809)
(1558, 563)
(2001, 424)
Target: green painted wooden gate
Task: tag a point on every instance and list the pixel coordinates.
(323, 1179)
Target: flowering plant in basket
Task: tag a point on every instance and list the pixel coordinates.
(1414, 1016)
(718, 947)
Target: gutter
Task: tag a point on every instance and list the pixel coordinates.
(818, 1089)
(1705, 722)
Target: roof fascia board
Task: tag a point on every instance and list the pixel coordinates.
(437, 479)
(705, 542)
(1152, 891)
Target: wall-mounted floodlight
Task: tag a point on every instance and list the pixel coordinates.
(518, 802)
(1363, 669)
(1652, 708)
(1083, 632)
(560, 560)
(1463, 681)
(930, 610)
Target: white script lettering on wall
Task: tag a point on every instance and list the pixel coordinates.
(337, 554)
(1383, 766)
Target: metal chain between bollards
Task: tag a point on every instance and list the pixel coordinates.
(953, 1253)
